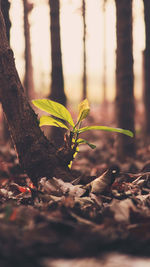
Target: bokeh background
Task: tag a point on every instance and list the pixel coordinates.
(101, 40)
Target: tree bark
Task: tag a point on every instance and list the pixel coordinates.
(37, 156)
(28, 79)
(84, 94)
(147, 67)
(5, 10)
(124, 78)
(5, 5)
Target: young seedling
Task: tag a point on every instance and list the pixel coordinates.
(61, 117)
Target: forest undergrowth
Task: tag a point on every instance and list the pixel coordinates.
(66, 220)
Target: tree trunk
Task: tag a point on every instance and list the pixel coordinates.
(104, 54)
(36, 154)
(57, 85)
(84, 94)
(5, 4)
(28, 79)
(124, 78)
(147, 67)
(5, 10)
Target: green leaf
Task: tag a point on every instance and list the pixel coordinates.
(105, 128)
(84, 110)
(47, 120)
(54, 108)
(83, 141)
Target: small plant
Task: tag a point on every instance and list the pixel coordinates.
(61, 117)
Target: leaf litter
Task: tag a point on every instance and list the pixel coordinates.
(64, 219)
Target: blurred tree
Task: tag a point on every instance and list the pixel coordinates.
(57, 83)
(124, 78)
(84, 93)
(5, 4)
(104, 52)
(28, 79)
(37, 156)
(147, 66)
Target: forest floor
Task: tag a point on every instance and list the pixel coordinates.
(64, 225)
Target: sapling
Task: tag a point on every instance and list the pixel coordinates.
(60, 117)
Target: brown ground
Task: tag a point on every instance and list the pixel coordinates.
(61, 220)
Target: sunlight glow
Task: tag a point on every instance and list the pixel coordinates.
(72, 48)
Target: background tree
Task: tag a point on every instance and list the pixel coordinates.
(5, 5)
(57, 80)
(84, 51)
(124, 78)
(57, 84)
(28, 78)
(104, 51)
(147, 66)
(37, 156)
